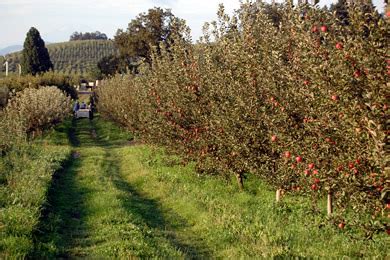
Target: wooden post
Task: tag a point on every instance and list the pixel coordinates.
(278, 195)
(6, 68)
(20, 69)
(329, 205)
(240, 181)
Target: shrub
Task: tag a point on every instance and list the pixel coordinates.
(62, 81)
(31, 111)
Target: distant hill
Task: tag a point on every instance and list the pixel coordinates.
(74, 57)
(10, 49)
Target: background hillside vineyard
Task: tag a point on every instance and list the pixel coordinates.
(73, 57)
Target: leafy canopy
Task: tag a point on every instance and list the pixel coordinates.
(148, 29)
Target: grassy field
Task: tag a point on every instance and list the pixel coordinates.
(119, 198)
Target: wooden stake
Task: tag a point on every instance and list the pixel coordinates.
(278, 195)
(330, 206)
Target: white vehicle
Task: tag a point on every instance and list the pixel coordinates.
(83, 112)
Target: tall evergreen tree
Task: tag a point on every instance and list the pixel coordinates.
(35, 57)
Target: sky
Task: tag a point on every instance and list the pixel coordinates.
(56, 20)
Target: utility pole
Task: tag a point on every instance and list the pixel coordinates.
(6, 68)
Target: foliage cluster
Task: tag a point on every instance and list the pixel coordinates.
(147, 31)
(302, 105)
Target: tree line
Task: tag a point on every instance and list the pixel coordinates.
(79, 36)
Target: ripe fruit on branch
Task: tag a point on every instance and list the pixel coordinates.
(307, 172)
(315, 172)
(287, 154)
(357, 74)
(314, 187)
(314, 29)
(306, 82)
(357, 161)
(311, 165)
(339, 46)
(342, 225)
(298, 159)
(351, 165)
(324, 28)
(274, 138)
(335, 97)
(316, 180)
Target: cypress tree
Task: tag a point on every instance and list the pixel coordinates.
(35, 56)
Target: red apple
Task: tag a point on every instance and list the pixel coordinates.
(388, 13)
(274, 138)
(287, 154)
(357, 161)
(307, 172)
(324, 28)
(351, 165)
(293, 166)
(298, 159)
(314, 187)
(316, 180)
(311, 165)
(335, 97)
(342, 225)
(340, 168)
(387, 205)
(315, 172)
(314, 29)
(388, 230)
(357, 74)
(306, 82)
(339, 46)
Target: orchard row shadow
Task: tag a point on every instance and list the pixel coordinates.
(63, 221)
(63, 215)
(149, 211)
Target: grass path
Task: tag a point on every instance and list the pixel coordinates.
(93, 211)
(117, 199)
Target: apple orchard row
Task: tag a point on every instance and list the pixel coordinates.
(300, 102)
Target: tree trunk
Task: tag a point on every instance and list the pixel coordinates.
(329, 205)
(278, 195)
(240, 181)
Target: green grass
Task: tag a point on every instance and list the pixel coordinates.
(240, 224)
(117, 198)
(26, 174)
